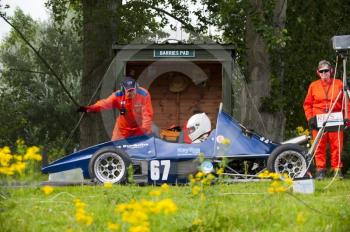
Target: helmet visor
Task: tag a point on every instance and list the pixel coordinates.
(191, 130)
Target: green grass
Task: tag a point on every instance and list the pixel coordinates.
(234, 207)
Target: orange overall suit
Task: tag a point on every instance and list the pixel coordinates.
(319, 99)
(136, 112)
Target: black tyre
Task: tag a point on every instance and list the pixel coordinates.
(289, 159)
(109, 165)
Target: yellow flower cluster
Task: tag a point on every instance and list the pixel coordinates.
(302, 131)
(33, 154)
(269, 175)
(157, 192)
(80, 215)
(107, 185)
(280, 183)
(197, 181)
(197, 222)
(10, 164)
(300, 218)
(113, 226)
(202, 178)
(137, 213)
(47, 190)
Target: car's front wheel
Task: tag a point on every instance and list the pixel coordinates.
(289, 159)
(109, 165)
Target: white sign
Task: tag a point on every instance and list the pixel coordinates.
(335, 119)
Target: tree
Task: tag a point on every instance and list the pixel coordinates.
(105, 23)
(37, 109)
(257, 30)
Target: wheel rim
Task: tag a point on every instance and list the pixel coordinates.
(291, 162)
(109, 167)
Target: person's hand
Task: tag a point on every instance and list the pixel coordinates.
(312, 123)
(82, 109)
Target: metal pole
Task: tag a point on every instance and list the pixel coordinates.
(320, 132)
(345, 87)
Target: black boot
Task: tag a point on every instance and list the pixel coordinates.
(320, 174)
(338, 174)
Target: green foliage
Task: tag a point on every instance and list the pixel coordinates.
(313, 25)
(134, 19)
(238, 207)
(37, 109)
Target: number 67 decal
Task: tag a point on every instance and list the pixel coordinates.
(155, 169)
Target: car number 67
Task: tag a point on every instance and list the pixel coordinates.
(155, 166)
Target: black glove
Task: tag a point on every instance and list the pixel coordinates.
(347, 123)
(82, 109)
(312, 123)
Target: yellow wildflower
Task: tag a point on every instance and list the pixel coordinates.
(107, 185)
(220, 171)
(300, 130)
(135, 217)
(300, 218)
(275, 184)
(197, 222)
(19, 167)
(18, 157)
(121, 208)
(5, 150)
(264, 174)
(20, 142)
(82, 218)
(155, 193)
(281, 189)
(79, 203)
(191, 178)
(32, 153)
(5, 156)
(199, 175)
(167, 205)
(80, 214)
(195, 190)
(275, 176)
(113, 226)
(289, 181)
(47, 190)
(164, 187)
(7, 171)
(139, 229)
(271, 190)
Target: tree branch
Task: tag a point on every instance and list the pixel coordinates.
(42, 59)
(187, 25)
(30, 71)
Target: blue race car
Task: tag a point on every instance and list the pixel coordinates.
(155, 161)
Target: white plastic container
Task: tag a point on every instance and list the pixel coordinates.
(73, 175)
(305, 186)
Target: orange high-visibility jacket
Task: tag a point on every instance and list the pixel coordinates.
(320, 97)
(137, 119)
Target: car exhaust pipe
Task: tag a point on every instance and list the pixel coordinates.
(302, 139)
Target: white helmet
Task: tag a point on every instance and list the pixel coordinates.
(198, 125)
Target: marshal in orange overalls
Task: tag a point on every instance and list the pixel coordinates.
(320, 96)
(136, 112)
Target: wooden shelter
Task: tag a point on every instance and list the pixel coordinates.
(181, 78)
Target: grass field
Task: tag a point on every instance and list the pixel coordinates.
(221, 207)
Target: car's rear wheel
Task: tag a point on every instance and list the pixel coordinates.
(289, 159)
(109, 165)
